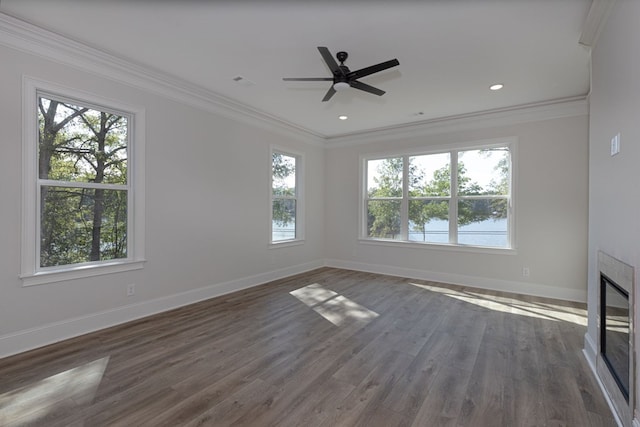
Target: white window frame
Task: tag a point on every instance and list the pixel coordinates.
(453, 149)
(31, 272)
(299, 197)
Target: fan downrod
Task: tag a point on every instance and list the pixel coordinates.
(342, 56)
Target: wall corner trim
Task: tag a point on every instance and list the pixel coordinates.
(31, 39)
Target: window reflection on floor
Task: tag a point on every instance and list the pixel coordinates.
(519, 305)
(334, 307)
(27, 405)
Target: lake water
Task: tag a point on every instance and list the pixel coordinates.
(486, 233)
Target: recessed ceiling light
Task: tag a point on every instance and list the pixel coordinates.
(343, 117)
(496, 86)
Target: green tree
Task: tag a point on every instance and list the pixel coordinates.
(421, 212)
(383, 216)
(78, 144)
(284, 204)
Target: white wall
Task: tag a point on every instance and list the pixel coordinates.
(614, 197)
(200, 163)
(207, 232)
(551, 213)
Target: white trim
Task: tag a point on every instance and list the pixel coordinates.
(29, 339)
(534, 289)
(79, 271)
(596, 19)
(31, 273)
(589, 352)
(285, 243)
(20, 35)
(28, 38)
(554, 109)
(438, 246)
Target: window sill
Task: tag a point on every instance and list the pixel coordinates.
(285, 243)
(79, 272)
(439, 246)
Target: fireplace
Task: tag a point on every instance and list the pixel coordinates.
(615, 364)
(614, 330)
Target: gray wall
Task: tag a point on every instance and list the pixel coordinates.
(614, 196)
(199, 163)
(207, 210)
(551, 213)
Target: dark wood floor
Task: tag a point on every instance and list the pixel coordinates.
(326, 348)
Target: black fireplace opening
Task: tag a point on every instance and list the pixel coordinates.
(614, 331)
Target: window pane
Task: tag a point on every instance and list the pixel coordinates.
(384, 177)
(79, 144)
(483, 172)
(383, 219)
(483, 222)
(82, 225)
(284, 220)
(284, 175)
(429, 221)
(430, 175)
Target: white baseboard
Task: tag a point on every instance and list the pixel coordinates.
(29, 339)
(590, 351)
(592, 365)
(526, 288)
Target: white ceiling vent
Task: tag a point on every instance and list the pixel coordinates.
(243, 81)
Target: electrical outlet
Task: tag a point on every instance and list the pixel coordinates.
(131, 290)
(525, 272)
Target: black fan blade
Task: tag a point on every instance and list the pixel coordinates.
(329, 94)
(372, 69)
(365, 87)
(308, 79)
(328, 58)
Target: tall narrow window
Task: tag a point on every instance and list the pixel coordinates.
(285, 200)
(81, 217)
(459, 197)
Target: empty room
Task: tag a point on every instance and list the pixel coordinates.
(319, 213)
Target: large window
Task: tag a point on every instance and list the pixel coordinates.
(286, 206)
(459, 197)
(78, 187)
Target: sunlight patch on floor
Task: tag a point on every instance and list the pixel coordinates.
(27, 405)
(521, 307)
(334, 307)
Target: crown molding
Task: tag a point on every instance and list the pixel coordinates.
(554, 109)
(598, 13)
(31, 39)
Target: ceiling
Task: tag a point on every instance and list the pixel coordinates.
(450, 52)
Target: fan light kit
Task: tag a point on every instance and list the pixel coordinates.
(343, 78)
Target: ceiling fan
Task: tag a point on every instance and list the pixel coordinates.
(343, 78)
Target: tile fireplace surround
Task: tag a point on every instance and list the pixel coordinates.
(623, 276)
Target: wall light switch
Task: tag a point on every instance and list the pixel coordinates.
(615, 145)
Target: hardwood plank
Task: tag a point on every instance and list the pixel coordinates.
(432, 355)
